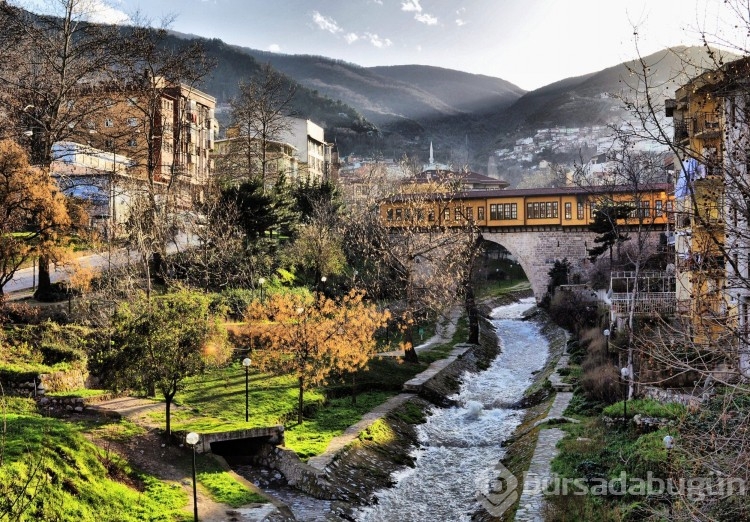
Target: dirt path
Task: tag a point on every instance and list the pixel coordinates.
(444, 331)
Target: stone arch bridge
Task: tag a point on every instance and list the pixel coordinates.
(537, 249)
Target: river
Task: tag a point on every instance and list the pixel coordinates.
(460, 446)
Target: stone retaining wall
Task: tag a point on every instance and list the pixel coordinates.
(47, 382)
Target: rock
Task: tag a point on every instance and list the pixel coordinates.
(79, 409)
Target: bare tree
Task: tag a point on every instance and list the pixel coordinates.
(406, 247)
(162, 80)
(260, 118)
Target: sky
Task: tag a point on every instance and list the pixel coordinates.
(530, 43)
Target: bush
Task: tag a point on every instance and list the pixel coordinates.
(601, 383)
(573, 310)
(237, 300)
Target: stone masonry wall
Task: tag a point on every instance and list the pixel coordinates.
(538, 251)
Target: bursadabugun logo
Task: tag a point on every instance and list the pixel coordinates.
(498, 492)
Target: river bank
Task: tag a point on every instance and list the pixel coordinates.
(364, 472)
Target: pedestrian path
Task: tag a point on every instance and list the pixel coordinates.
(444, 331)
(352, 432)
(531, 503)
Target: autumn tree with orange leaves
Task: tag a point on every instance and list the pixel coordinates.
(313, 339)
(33, 213)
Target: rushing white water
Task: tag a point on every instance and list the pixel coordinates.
(461, 445)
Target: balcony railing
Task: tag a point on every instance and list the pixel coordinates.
(646, 304)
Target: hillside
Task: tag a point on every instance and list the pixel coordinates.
(595, 99)
(233, 66)
(386, 95)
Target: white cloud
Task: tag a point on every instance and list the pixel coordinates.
(351, 38)
(379, 2)
(411, 6)
(326, 23)
(274, 48)
(378, 42)
(101, 12)
(461, 11)
(460, 22)
(425, 18)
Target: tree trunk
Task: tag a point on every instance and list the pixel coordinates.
(301, 400)
(354, 387)
(168, 411)
(44, 283)
(410, 354)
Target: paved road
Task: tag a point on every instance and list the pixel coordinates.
(24, 279)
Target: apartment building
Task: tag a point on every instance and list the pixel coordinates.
(318, 160)
(167, 131)
(238, 157)
(152, 136)
(711, 117)
(697, 114)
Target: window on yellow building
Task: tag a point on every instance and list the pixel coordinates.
(568, 210)
(480, 213)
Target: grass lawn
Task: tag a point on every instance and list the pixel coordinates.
(215, 401)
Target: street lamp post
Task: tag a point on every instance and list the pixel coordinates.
(261, 282)
(668, 445)
(246, 363)
(606, 336)
(625, 373)
(192, 439)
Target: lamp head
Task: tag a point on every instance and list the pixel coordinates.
(246, 362)
(625, 373)
(668, 442)
(192, 438)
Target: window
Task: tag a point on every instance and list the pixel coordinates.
(457, 213)
(109, 144)
(480, 213)
(470, 214)
(446, 214)
(568, 210)
(399, 214)
(501, 211)
(580, 211)
(644, 209)
(658, 212)
(133, 122)
(389, 214)
(132, 142)
(542, 210)
(132, 101)
(431, 215)
(407, 214)
(592, 210)
(108, 122)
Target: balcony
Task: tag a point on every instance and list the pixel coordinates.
(680, 131)
(706, 125)
(650, 304)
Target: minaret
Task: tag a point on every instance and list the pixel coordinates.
(432, 158)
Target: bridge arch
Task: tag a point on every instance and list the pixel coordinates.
(537, 251)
